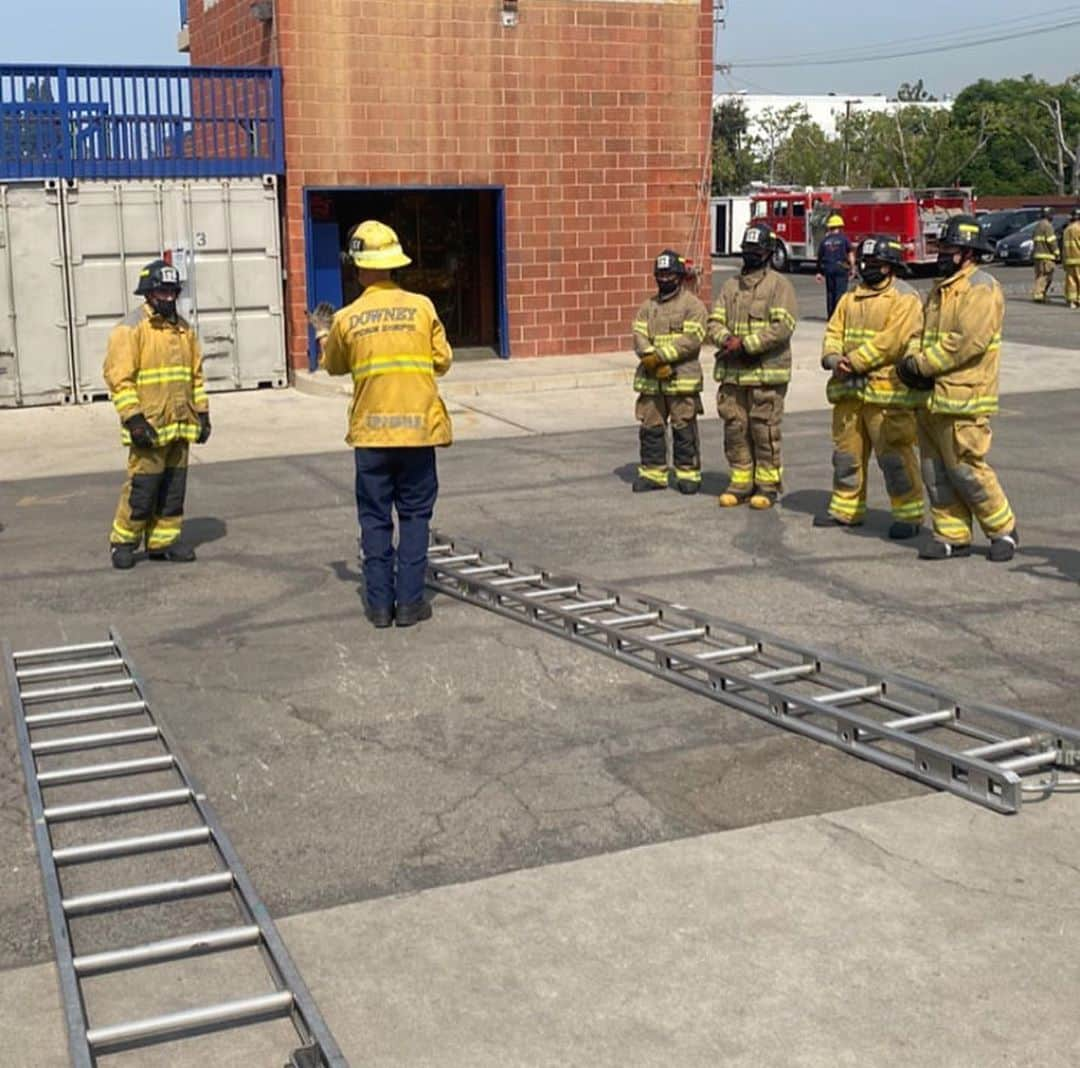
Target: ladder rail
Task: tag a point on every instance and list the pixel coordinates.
(70, 988)
(715, 671)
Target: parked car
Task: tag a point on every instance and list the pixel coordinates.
(1000, 224)
(1018, 248)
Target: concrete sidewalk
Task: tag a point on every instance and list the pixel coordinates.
(486, 399)
(918, 932)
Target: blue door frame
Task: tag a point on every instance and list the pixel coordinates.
(323, 266)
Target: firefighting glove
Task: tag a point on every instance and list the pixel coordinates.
(664, 372)
(322, 318)
(204, 428)
(650, 362)
(907, 370)
(732, 347)
(143, 435)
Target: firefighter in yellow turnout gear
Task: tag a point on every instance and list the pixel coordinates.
(1070, 257)
(668, 331)
(751, 325)
(957, 363)
(1044, 255)
(872, 328)
(153, 369)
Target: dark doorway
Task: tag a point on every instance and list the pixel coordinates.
(454, 238)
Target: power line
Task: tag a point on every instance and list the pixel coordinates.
(840, 53)
(952, 46)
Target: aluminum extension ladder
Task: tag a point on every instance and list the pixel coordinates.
(73, 678)
(977, 751)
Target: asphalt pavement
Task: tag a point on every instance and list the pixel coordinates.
(488, 847)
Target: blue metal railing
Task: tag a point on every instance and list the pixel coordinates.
(139, 122)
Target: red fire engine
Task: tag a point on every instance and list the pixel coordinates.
(914, 216)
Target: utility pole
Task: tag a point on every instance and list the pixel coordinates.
(847, 122)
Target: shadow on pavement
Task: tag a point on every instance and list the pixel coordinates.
(1065, 562)
(203, 529)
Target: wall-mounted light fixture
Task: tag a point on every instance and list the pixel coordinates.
(263, 11)
(509, 12)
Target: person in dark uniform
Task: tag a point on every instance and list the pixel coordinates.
(835, 262)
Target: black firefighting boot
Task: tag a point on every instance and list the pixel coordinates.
(942, 550)
(643, 485)
(174, 554)
(406, 615)
(899, 531)
(1003, 547)
(122, 556)
(378, 617)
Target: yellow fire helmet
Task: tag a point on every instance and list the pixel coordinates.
(834, 220)
(374, 245)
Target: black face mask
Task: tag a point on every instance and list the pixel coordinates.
(871, 274)
(752, 261)
(946, 265)
(667, 286)
(165, 308)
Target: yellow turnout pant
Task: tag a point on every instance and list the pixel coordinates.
(960, 482)
(152, 500)
(858, 429)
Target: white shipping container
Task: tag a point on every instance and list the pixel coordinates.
(35, 351)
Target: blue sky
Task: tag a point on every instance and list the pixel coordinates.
(144, 31)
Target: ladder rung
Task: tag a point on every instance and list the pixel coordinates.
(675, 635)
(84, 715)
(463, 558)
(552, 591)
(729, 651)
(439, 549)
(132, 803)
(59, 671)
(518, 580)
(63, 650)
(630, 621)
(1007, 745)
(148, 894)
(195, 945)
(586, 606)
(792, 672)
(177, 1024)
(842, 696)
(82, 690)
(124, 847)
(905, 723)
(93, 741)
(484, 569)
(1027, 763)
(105, 771)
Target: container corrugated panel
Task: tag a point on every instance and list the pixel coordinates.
(224, 237)
(35, 350)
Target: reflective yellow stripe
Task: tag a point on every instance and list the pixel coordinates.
(654, 474)
(125, 398)
(641, 327)
(694, 328)
(999, 518)
(953, 529)
(168, 433)
(688, 474)
(382, 365)
(782, 315)
(718, 315)
(767, 474)
(982, 405)
(156, 375)
(124, 533)
(910, 510)
(741, 476)
(847, 507)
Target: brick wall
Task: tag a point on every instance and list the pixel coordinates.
(594, 114)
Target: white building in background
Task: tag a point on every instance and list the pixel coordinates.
(825, 108)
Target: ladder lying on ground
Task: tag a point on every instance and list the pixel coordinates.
(979, 752)
(64, 680)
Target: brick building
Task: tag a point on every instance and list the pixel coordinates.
(534, 155)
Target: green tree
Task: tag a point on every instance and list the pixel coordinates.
(732, 156)
(807, 156)
(913, 92)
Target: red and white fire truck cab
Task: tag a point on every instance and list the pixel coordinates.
(797, 217)
(915, 217)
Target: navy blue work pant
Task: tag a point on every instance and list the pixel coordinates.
(388, 480)
(836, 285)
